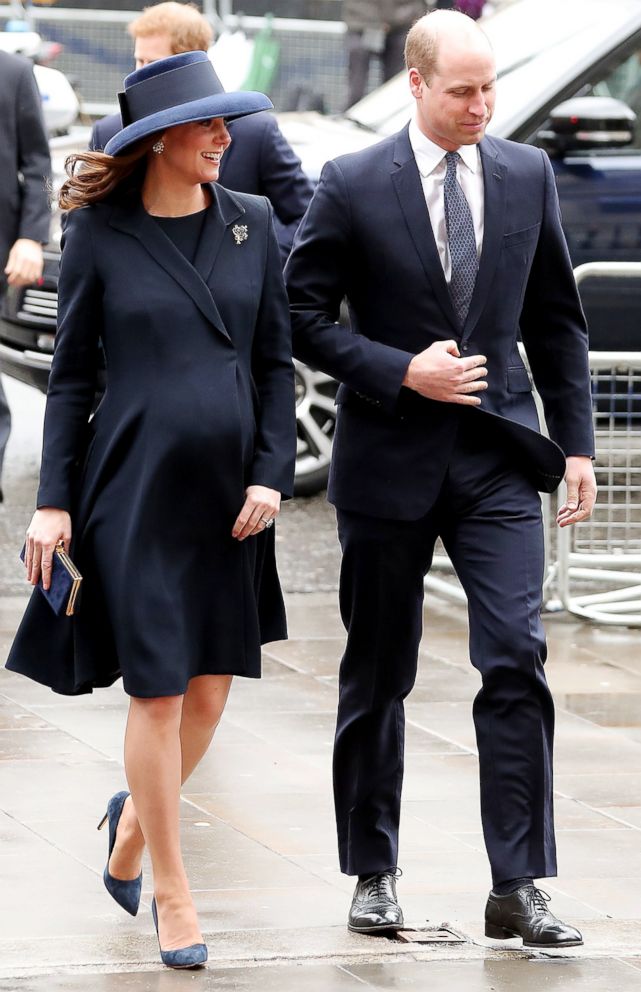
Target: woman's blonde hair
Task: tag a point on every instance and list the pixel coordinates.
(92, 176)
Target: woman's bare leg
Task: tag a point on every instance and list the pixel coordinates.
(202, 708)
(153, 763)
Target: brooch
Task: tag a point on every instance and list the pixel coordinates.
(240, 233)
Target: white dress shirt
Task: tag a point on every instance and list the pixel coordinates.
(430, 159)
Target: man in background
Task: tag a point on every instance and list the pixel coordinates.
(376, 28)
(259, 159)
(25, 170)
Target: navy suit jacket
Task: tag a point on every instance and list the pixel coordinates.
(259, 160)
(367, 236)
(25, 167)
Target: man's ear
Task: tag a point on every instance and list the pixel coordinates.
(416, 82)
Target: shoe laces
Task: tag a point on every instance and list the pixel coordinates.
(379, 885)
(539, 900)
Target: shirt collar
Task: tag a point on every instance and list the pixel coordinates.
(429, 155)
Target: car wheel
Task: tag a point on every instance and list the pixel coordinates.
(315, 420)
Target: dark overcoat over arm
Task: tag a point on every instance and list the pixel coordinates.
(324, 269)
(554, 332)
(25, 165)
(271, 369)
(72, 381)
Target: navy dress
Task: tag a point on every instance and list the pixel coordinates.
(199, 404)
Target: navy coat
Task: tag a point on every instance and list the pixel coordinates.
(199, 404)
(367, 236)
(259, 160)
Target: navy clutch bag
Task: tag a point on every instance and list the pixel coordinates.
(65, 582)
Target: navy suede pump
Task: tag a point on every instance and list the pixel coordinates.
(193, 956)
(126, 892)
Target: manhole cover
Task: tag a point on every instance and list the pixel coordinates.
(431, 935)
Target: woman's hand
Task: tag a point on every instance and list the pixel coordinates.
(47, 527)
(261, 506)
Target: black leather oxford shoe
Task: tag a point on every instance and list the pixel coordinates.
(375, 908)
(525, 913)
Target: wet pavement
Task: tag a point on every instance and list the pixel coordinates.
(257, 815)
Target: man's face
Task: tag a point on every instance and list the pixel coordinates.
(152, 47)
(458, 104)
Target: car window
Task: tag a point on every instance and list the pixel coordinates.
(623, 82)
(619, 78)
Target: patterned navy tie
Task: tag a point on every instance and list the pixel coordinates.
(461, 240)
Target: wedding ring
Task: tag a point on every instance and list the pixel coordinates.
(266, 522)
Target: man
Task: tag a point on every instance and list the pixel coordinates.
(259, 159)
(376, 28)
(445, 241)
(25, 169)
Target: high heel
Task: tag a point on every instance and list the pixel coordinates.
(193, 956)
(126, 892)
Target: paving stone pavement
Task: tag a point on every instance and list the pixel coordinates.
(258, 825)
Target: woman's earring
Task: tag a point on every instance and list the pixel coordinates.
(159, 147)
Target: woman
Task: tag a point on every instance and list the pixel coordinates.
(175, 483)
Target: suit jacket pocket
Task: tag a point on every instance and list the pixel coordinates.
(522, 236)
(349, 397)
(518, 381)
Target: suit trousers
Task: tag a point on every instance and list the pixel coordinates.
(488, 515)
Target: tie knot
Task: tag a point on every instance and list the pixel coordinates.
(452, 159)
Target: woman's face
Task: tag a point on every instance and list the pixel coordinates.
(193, 151)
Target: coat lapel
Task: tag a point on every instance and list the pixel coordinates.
(225, 209)
(407, 183)
(192, 279)
(494, 196)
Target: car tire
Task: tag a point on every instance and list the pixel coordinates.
(315, 423)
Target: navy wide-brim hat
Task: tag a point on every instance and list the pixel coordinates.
(177, 90)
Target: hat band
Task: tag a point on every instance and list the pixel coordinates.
(171, 89)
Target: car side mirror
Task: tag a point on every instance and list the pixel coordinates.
(587, 122)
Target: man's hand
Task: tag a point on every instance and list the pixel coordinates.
(25, 262)
(581, 494)
(439, 373)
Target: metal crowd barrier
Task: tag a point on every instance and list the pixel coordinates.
(594, 568)
(599, 562)
(98, 53)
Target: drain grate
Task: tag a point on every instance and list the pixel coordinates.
(431, 935)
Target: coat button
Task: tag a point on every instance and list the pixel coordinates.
(464, 348)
